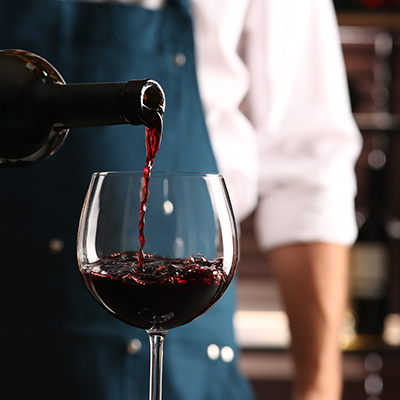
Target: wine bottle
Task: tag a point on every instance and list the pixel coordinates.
(37, 107)
(370, 255)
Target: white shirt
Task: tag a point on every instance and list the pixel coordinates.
(293, 148)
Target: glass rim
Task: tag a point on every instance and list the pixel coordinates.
(156, 174)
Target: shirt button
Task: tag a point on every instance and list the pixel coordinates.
(56, 246)
(179, 59)
(213, 352)
(227, 354)
(134, 346)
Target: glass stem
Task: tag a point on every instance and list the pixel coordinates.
(156, 362)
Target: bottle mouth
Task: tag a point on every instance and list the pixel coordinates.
(153, 97)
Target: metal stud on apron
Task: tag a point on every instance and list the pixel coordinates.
(57, 342)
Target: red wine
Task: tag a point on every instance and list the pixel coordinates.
(160, 293)
(153, 140)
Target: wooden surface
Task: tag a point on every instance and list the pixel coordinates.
(388, 20)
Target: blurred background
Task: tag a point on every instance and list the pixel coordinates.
(370, 37)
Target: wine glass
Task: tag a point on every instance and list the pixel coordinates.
(157, 253)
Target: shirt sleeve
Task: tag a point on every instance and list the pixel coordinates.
(307, 139)
(223, 83)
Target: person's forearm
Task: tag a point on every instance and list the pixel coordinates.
(313, 281)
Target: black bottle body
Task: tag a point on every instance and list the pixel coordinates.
(370, 256)
(37, 107)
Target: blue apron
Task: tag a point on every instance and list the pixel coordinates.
(56, 341)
